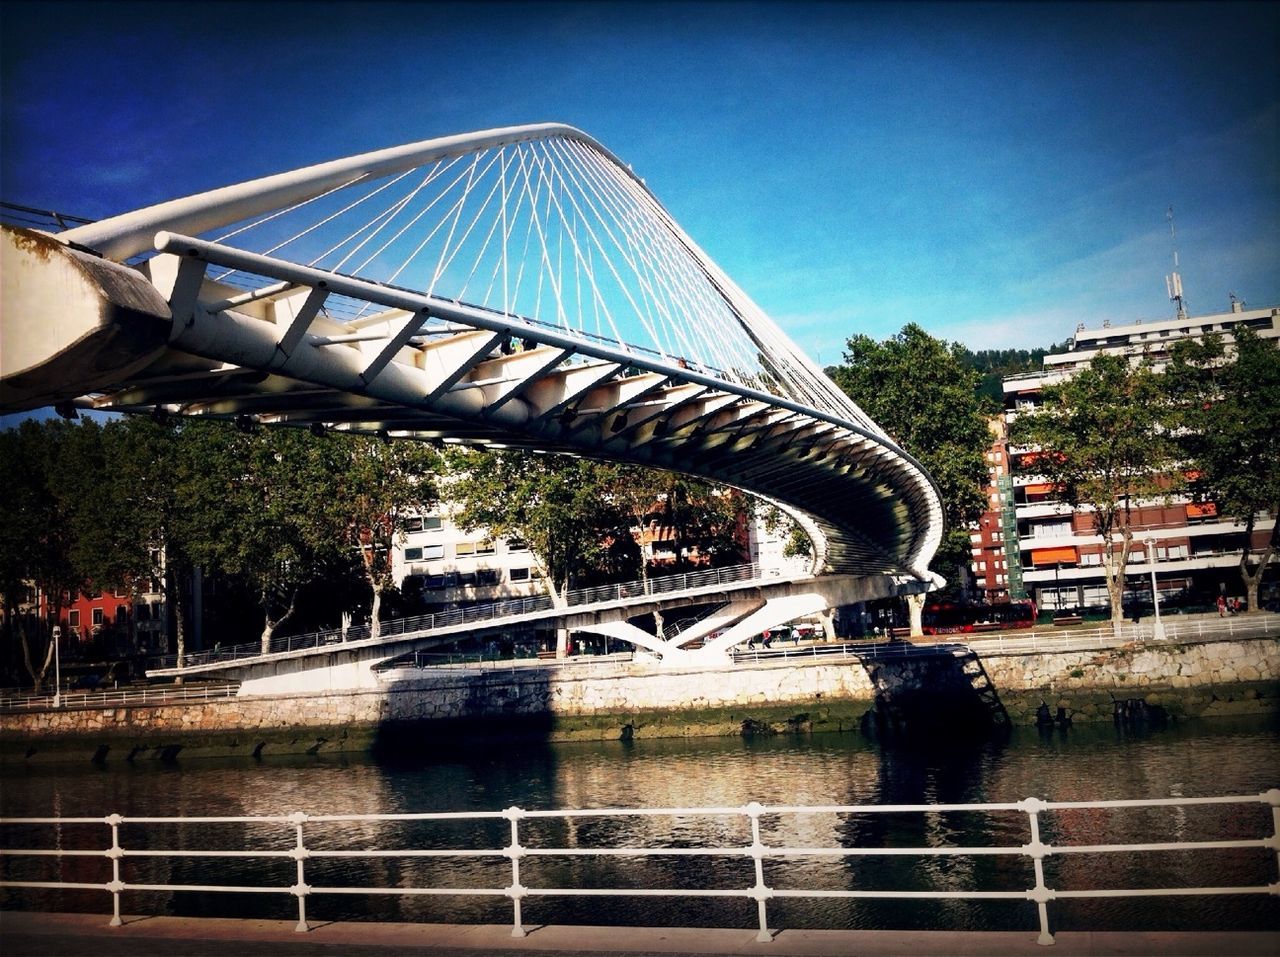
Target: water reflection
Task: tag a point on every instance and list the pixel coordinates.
(1079, 763)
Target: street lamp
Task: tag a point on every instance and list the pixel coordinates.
(56, 634)
(1157, 630)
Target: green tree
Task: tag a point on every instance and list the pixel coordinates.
(259, 505)
(381, 484)
(1227, 406)
(1102, 441)
(923, 394)
(36, 550)
(560, 506)
(698, 513)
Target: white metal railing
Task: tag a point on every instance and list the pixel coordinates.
(1019, 642)
(1035, 850)
(152, 694)
(492, 611)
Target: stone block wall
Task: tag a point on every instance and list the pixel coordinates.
(622, 700)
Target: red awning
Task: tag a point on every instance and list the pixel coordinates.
(1050, 556)
(1201, 509)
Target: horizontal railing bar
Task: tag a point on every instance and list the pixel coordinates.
(636, 852)
(205, 888)
(893, 851)
(1166, 846)
(633, 892)
(424, 816)
(63, 820)
(885, 808)
(445, 852)
(55, 885)
(1168, 892)
(196, 853)
(914, 895)
(414, 891)
(1159, 802)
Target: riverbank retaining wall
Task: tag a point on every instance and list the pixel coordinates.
(623, 700)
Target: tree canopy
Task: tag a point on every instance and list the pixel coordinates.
(921, 391)
(1227, 406)
(1103, 441)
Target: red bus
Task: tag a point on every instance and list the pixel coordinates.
(951, 618)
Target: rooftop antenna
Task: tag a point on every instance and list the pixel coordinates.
(1173, 281)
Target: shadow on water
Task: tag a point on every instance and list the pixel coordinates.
(944, 692)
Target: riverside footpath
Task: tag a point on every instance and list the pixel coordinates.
(87, 935)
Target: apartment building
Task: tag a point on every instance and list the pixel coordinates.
(442, 564)
(1030, 545)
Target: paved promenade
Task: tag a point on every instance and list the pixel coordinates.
(72, 935)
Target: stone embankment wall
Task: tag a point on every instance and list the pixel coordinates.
(610, 701)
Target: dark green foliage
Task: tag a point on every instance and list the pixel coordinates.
(1225, 412)
(921, 391)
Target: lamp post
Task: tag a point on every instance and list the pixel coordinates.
(1157, 630)
(56, 634)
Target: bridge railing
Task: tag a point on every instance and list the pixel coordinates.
(491, 611)
(763, 834)
(1020, 642)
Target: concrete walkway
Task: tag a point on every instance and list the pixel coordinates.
(71, 935)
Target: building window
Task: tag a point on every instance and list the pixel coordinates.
(516, 545)
(122, 614)
(98, 617)
(413, 554)
(464, 548)
(484, 547)
(73, 618)
(432, 551)
(413, 524)
(519, 574)
(431, 523)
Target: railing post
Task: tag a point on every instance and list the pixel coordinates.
(1037, 851)
(115, 852)
(514, 851)
(1273, 798)
(760, 892)
(300, 854)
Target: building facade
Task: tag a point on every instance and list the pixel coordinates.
(1030, 545)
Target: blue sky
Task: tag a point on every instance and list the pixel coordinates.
(997, 173)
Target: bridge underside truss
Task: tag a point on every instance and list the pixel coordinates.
(578, 318)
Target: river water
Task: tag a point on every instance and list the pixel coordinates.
(1101, 762)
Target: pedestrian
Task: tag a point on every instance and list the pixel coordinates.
(1222, 606)
(1235, 606)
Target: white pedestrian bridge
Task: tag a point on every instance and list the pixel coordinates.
(740, 601)
(511, 288)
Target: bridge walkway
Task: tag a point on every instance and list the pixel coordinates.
(86, 935)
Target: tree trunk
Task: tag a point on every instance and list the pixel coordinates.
(179, 622)
(915, 612)
(173, 598)
(375, 612)
(269, 627)
(1114, 570)
(1252, 581)
(37, 675)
